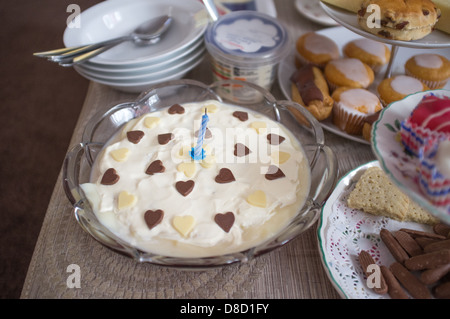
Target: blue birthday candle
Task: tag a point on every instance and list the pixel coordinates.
(197, 153)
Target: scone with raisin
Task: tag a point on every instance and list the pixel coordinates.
(404, 20)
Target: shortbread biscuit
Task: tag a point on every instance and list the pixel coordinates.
(374, 193)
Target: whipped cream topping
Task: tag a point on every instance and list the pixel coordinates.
(270, 185)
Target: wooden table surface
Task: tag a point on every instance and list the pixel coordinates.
(292, 271)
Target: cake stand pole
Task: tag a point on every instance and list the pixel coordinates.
(394, 50)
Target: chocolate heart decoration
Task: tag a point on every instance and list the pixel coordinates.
(176, 109)
(225, 176)
(225, 221)
(110, 177)
(153, 217)
(185, 188)
(155, 167)
(241, 150)
(164, 138)
(135, 136)
(208, 133)
(275, 139)
(274, 172)
(242, 116)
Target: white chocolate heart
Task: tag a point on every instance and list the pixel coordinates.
(210, 108)
(120, 155)
(257, 198)
(280, 157)
(125, 199)
(183, 224)
(208, 161)
(151, 121)
(187, 168)
(259, 127)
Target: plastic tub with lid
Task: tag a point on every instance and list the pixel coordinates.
(247, 46)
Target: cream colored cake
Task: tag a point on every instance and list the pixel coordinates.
(375, 194)
(148, 190)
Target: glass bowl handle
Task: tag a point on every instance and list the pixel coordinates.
(71, 169)
(304, 118)
(329, 178)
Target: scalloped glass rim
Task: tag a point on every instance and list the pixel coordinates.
(324, 170)
(379, 151)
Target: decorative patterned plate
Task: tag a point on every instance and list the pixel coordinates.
(343, 232)
(400, 166)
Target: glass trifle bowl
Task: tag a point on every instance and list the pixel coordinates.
(216, 220)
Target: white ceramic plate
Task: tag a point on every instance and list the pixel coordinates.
(145, 73)
(116, 18)
(143, 84)
(343, 232)
(436, 39)
(155, 64)
(401, 167)
(342, 36)
(314, 12)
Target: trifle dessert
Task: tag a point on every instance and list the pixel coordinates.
(147, 188)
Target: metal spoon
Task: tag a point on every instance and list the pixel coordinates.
(212, 9)
(148, 32)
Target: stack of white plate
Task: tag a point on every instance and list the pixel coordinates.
(131, 68)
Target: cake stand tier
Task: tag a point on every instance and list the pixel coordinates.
(435, 40)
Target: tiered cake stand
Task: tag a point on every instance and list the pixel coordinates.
(435, 40)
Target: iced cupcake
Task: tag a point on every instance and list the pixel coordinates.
(428, 122)
(397, 87)
(352, 106)
(348, 72)
(373, 53)
(434, 174)
(431, 69)
(316, 49)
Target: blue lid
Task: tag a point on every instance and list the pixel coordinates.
(248, 36)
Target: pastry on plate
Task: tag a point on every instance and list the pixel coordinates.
(351, 106)
(348, 72)
(374, 193)
(373, 53)
(316, 49)
(427, 123)
(404, 20)
(430, 68)
(397, 87)
(310, 89)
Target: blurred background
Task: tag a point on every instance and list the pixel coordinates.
(39, 106)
